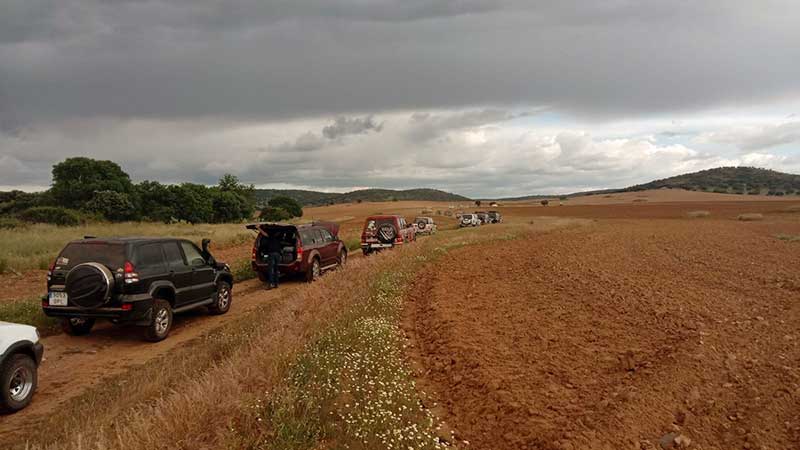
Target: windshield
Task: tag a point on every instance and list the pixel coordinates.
(108, 254)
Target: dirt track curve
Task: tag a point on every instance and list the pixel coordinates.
(619, 335)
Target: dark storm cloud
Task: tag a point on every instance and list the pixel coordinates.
(344, 126)
(274, 59)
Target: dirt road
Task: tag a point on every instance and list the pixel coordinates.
(73, 364)
(623, 334)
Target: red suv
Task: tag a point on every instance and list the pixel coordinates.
(308, 249)
(382, 232)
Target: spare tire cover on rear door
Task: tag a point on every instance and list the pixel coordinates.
(421, 224)
(387, 233)
(89, 285)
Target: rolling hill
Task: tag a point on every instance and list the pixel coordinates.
(734, 180)
(314, 198)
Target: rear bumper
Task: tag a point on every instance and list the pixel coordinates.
(140, 308)
(377, 245)
(284, 269)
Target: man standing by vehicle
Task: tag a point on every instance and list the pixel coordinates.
(273, 250)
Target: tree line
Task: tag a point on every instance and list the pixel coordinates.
(88, 189)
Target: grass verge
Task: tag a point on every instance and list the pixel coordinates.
(29, 312)
(35, 246)
(351, 387)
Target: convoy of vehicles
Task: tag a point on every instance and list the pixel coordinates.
(386, 231)
(145, 281)
(141, 281)
(307, 250)
(20, 355)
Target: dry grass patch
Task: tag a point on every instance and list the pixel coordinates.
(788, 237)
(750, 217)
(698, 214)
(35, 246)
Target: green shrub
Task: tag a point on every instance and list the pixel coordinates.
(272, 214)
(54, 215)
(3, 265)
(243, 270)
(353, 244)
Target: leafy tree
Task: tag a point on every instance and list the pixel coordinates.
(75, 180)
(287, 204)
(192, 202)
(227, 205)
(154, 202)
(114, 206)
(246, 194)
(272, 214)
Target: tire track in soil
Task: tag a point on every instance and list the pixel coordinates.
(613, 336)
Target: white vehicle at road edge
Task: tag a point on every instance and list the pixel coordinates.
(20, 355)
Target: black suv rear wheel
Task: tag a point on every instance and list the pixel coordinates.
(222, 302)
(161, 321)
(77, 326)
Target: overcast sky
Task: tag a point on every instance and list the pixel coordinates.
(480, 97)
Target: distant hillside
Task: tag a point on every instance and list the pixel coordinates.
(733, 180)
(313, 198)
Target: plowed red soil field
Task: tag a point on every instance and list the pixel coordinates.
(626, 334)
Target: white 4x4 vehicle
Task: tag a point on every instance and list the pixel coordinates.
(20, 355)
(425, 225)
(469, 220)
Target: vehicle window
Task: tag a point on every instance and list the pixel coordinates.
(318, 239)
(174, 256)
(402, 222)
(326, 235)
(192, 254)
(149, 259)
(111, 255)
(371, 226)
(306, 237)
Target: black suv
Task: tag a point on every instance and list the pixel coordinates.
(142, 281)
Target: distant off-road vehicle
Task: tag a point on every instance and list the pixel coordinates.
(20, 355)
(386, 231)
(469, 220)
(141, 281)
(425, 225)
(495, 217)
(483, 216)
(306, 250)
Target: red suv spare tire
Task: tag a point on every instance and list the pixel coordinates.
(387, 233)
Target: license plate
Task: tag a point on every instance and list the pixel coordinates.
(380, 245)
(58, 299)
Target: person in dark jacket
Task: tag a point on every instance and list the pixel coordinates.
(273, 250)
